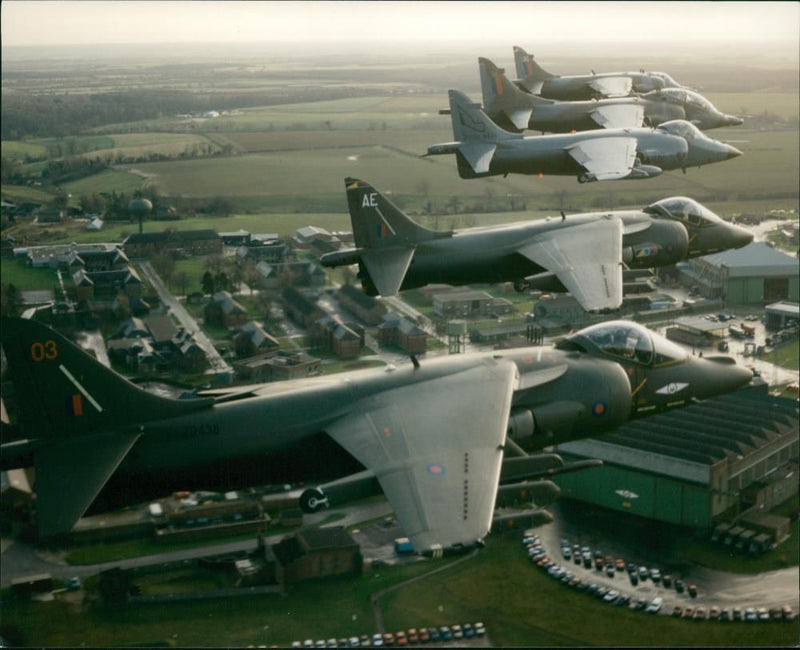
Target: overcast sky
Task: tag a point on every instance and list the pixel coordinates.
(729, 24)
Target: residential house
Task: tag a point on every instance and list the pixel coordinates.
(253, 339)
(362, 306)
(222, 309)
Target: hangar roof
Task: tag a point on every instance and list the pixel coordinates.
(755, 259)
(686, 443)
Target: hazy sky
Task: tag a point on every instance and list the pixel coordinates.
(35, 22)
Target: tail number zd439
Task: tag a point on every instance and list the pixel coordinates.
(44, 351)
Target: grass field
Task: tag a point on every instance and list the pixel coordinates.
(519, 604)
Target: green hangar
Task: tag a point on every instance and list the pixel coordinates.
(730, 454)
(752, 275)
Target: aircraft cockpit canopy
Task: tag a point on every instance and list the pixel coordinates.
(683, 209)
(625, 341)
(681, 97)
(684, 129)
(669, 82)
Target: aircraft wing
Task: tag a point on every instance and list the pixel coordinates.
(586, 259)
(387, 267)
(605, 158)
(618, 116)
(612, 86)
(436, 449)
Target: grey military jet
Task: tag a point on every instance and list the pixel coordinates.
(515, 110)
(532, 78)
(691, 106)
(434, 434)
(579, 253)
(484, 149)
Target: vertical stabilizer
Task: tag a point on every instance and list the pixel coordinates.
(530, 75)
(385, 236)
(502, 100)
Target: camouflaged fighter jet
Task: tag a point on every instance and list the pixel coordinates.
(515, 110)
(532, 78)
(435, 435)
(579, 253)
(484, 149)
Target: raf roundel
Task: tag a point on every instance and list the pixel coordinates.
(437, 469)
(599, 408)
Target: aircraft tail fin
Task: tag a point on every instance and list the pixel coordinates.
(84, 416)
(502, 100)
(61, 391)
(385, 236)
(530, 75)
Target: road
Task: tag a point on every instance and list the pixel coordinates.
(218, 364)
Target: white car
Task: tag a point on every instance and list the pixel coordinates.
(655, 605)
(655, 575)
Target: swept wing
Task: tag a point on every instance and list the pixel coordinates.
(607, 158)
(618, 116)
(436, 448)
(612, 86)
(586, 259)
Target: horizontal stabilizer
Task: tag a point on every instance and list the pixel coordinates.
(520, 117)
(70, 473)
(478, 155)
(387, 267)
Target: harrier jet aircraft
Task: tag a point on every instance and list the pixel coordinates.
(484, 149)
(581, 253)
(515, 110)
(692, 107)
(434, 434)
(532, 78)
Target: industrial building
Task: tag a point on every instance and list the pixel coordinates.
(724, 457)
(753, 275)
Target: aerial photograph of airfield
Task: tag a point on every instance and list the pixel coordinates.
(360, 324)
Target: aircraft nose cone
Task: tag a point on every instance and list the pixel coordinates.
(732, 120)
(740, 237)
(719, 375)
(733, 152)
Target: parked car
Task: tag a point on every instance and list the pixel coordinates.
(622, 600)
(688, 612)
(692, 589)
(775, 614)
(610, 571)
(633, 578)
(750, 614)
(763, 614)
(713, 613)
(458, 633)
(469, 631)
(736, 613)
(640, 603)
(611, 595)
(724, 615)
(677, 611)
(679, 585)
(655, 575)
(666, 580)
(480, 630)
(655, 605)
(788, 614)
(445, 633)
(643, 573)
(620, 564)
(700, 613)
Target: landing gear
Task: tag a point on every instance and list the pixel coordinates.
(583, 178)
(521, 285)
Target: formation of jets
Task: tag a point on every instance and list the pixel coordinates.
(442, 438)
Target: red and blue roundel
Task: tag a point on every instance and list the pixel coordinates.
(599, 408)
(437, 469)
